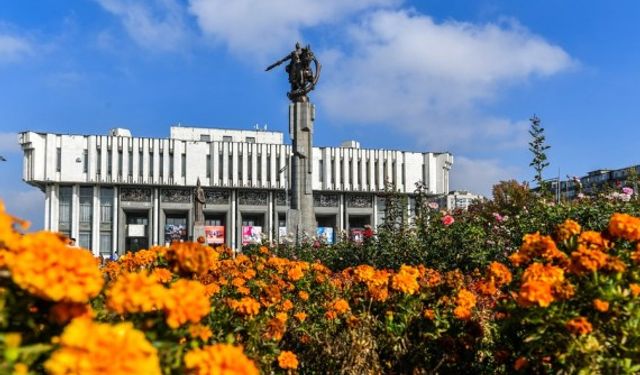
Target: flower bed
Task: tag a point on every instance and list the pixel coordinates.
(563, 302)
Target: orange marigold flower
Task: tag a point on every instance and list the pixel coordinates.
(466, 299)
(378, 293)
(287, 360)
(534, 246)
(579, 326)
(286, 305)
(600, 305)
(585, 260)
(136, 293)
(568, 229)
(340, 306)
(303, 295)
(275, 329)
(535, 292)
(64, 312)
(543, 272)
(614, 264)
(594, 240)
(487, 288)
(625, 226)
(191, 257)
(245, 306)
(187, 301)
(406, 280)
(635, 289)
(200, 331)
(301, 316)
(219, 359)
(364, 273)
(47, 268)
(83, 345)
(499, 274)
(462, 312)
(295, 274)
(212, 289)
(163, 275)
(429, 314)
(429, 277)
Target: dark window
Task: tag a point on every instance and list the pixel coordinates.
(140, 164)
(227, 138)
(130, 163)
(239, 167)
(220, 171)
(161, 168)
(230, 168)
(209, 166)
(58, 159)
(251, 139)
(184, 165)
(205, 137)
(171, 165)
(85, 161)
(99, 161)
(109, 162)
(259, 171)
(321, 170)
(250, 167)
(151, 164)
(120, 163)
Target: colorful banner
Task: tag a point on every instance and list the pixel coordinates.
(214, 234)
(251, 235)
(325, 234)
(175, 233)
(357, 235)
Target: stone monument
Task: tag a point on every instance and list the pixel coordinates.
(301, 218)
(199, 202)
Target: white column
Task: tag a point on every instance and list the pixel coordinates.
(95, 222)
(156, 218)
(47, 208)
(232, 225)
(272, 226)
(225, 164)
(114, 222)
(273, 149)
(215, 163)
(234, 170)
(54, 217)
(375, 212)
(75, 212)
(244, 163)
(254, 165)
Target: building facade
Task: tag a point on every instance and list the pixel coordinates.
(457, 199)
(118, 191)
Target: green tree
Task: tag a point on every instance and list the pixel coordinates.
(538, 147)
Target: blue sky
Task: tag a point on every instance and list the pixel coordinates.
(434, 75)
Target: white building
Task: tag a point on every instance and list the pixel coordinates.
(457, 199)
(121, 192)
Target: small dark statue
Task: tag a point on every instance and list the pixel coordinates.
(301, 76)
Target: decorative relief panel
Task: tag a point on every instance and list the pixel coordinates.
(360, 201)
(281, 199)
(176, 195)
(253, 198)
(131, 194)
(326, 200)
(216, 196)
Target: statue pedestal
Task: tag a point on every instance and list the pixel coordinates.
(198, 230)
(301, 214)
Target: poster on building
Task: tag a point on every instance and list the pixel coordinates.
(251, 234)
(175, 233)
(214, 234)
(282, 233)
(325, 235)
(357, 235)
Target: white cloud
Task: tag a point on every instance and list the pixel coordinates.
(27, 205)
(479, 175)
(157, 25)
(9, 143)
(260, 26)
(429, 79)
(13, 48)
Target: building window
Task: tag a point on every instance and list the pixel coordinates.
(171, 165)
(403, 174)
(85, 161)
(58, 159)
(150, 164)
(278, 169)
(64, 217)
(86, 205)
(239, 167)
(321, 170)
(350, 172)
(376, 172)
(140, 164)
(205, 137)
(269, 167)
(360, 173)
(84, 240)
(250, 139)
(250, 167)
(106, 206)
(120, 162)
(230, 168)
(208, 166)
(342, 172)
(333, 171)
(109, 162)
(227, 138)
(105, 244)
(99, 161)
(368, 172)
(220, 171)
(130, 164)
(183, 163)
(393, 173)
(161, 168)
(259, 171)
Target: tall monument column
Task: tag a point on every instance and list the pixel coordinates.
(301, 218)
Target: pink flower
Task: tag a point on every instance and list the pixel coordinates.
(433, 205)
(627, 190)
(499, 218)
(447, 220)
